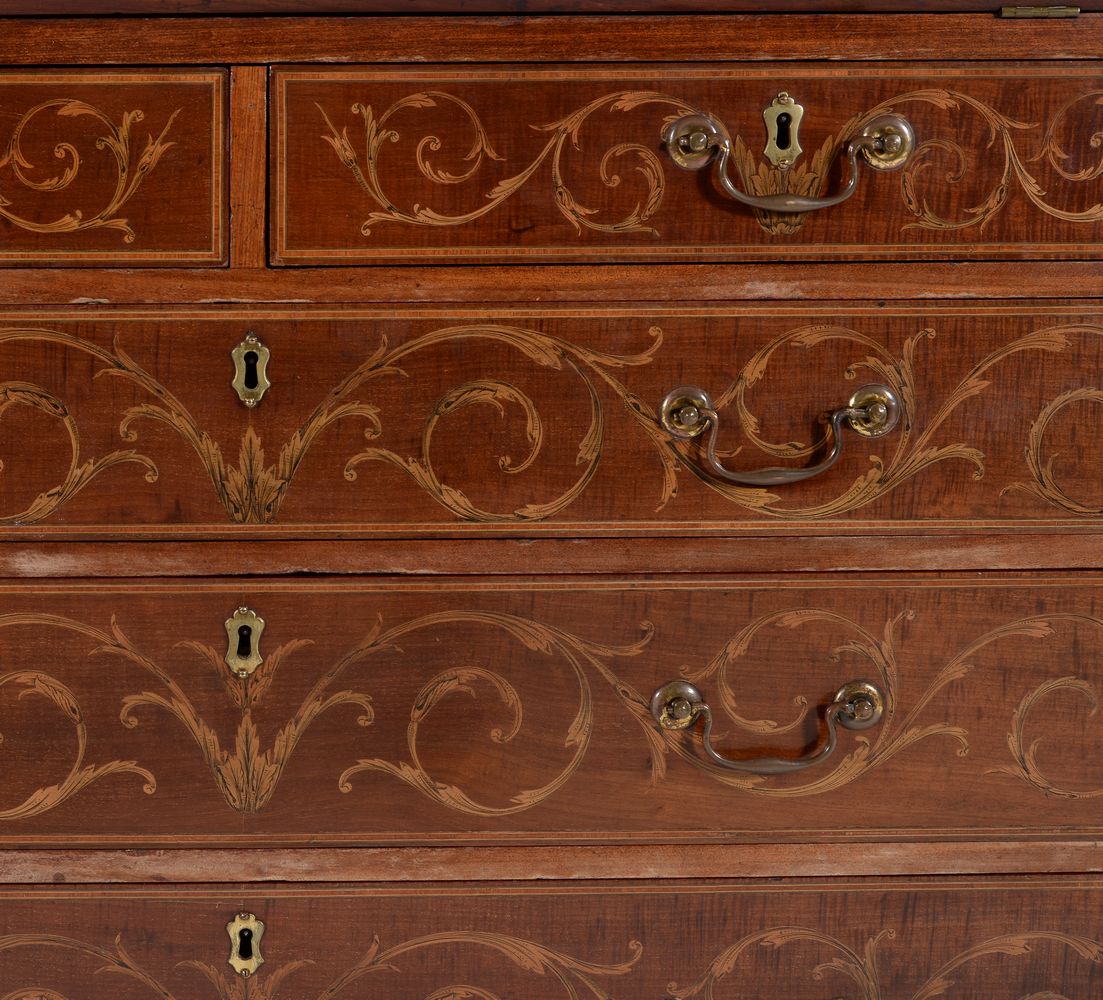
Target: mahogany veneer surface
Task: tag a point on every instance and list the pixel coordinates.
(408, 712)
(530, 420)
(567, 163)
(908, 939)
(477, 554)
(95, 164)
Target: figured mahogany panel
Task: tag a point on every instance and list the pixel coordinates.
(999, 939)
(565, 163)
(393, 711)
(113, 167)
(529, 421)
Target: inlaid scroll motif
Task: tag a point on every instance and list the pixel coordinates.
(940, 162)
(248, 773)
(576, 977)
(856, 975)
(38, 684)
(564, 135)
(915, 445)
(901, 727)
(1025, 751)
(252, 490)
(117, 146)
(924, 180)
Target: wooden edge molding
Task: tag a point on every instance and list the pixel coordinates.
(639, 284)
(1073, 550)
(85, 8)
(593, 38)
(459, 864)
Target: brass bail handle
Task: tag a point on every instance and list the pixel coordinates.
(693, 141)
(687, 412)
(857, 705)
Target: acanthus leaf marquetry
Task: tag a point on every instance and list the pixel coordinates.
(80, 183)
(553, 709)
(573, 974)
(1007, 164)
(554, 412)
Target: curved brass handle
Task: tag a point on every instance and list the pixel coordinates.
(857, 705)
(687, 411)
(885, 143)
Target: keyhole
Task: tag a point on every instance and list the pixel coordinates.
(783, 141)
(244, 646)
(250, 358)
(245, 944)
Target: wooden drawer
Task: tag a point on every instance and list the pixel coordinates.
(94, 165)
(530, 420)
(905, 940)
(498, 163)
(518, 711)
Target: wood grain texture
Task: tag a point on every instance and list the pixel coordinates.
(94, 162)
(776, 550)
(645, 862)
(1001, 939)
(509, 284)
(89, 8)
(618, 39)
(531, 421)
(248, 165)
(567, 163)
(398, 712)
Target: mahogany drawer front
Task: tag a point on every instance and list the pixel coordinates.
(470, 164)
(439, 713)
(545, 420)
(865, 940)
(113, 168)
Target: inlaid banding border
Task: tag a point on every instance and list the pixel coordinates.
(217, 254)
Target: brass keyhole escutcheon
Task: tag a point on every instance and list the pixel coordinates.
(782, 119)
(250, 380)
(245, 933)
(243, 632)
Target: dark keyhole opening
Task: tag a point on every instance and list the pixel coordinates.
(784, 138)
(245, 944)
(250, 358)
(244, 642)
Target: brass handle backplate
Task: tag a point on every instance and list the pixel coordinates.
(686, 412)
(693, 141)
(857, 705)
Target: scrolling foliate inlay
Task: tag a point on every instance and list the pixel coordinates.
(807, 177)
(252, 490)
(576, 977)
(915, 446)
(860, 969)
(379, 131)
(131, 164)
(247, 775)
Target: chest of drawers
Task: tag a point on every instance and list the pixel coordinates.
(452, 551)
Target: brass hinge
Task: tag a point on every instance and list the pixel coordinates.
(1039, 12)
